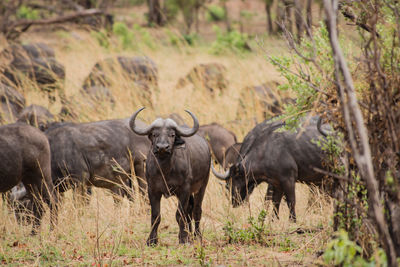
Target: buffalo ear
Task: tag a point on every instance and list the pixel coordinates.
(179, 142)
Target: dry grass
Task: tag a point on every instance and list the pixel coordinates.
(103, 233)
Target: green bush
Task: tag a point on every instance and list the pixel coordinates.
(144, 36)
(191, 38)
(171, 9)
(232, 41)
(257, 231)
(25, 12)
(179, 40)
(341, 251)
(101, 37)
(215, 13)
(125, 36)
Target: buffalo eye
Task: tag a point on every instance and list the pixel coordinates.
(172, 134)
(154, 134)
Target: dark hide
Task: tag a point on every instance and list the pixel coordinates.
(219, 138)
(37, 116)
(94, 154)
(231, 155)
(25, 158)
(176, 166)
(279, 158)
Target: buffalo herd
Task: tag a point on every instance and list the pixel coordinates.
(42, 157)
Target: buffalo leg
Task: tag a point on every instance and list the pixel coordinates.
(277, 194)
(37, 206)
(197, 210)
(190, 212)
(269, 193)
(155, 202)
(39, 185)
(289, 190)
(182, 217)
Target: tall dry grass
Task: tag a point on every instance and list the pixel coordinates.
(103, 233)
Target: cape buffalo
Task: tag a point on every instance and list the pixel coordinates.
(37, 116)
(280, 158)
(25, 158)
(96, 153)
(219, 139)
(178, 164)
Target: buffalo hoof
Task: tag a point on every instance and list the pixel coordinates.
(151, 242)
(185, 240)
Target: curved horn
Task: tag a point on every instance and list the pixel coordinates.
(137, 130)
(186, 132)
(223, 177)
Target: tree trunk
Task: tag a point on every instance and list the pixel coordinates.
(288, 15)
(309, 13)
(268, 5)
(227, 22)
(155, 17)
(298, 14)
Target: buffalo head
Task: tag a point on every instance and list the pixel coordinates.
(164, 134)
(238, 181)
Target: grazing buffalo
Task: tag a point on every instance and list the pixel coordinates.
(12, 102)
(210, 76)
(37, 62)
(37, 116)
(231, 155)
(280, 158)
(178, 164)
(25, 157)
(219, 138)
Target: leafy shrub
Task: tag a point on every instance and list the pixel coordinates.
(255, 233)
(124, 34)
(343, 252)
(144, 36)
(215, 13)
(101, 37)
(25, 12)
(171, 9)
(233, 41)
(191, 38)
(179, 40)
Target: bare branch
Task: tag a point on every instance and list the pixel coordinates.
(25, 23)
(361, 150)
